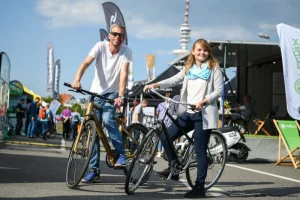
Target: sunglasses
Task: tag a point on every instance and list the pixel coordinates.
(121, 35)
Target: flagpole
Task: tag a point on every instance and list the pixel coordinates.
(223, 92)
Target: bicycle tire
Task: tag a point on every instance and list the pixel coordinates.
(142, 162)
(138, 131)
(75, 172)
(217, 156)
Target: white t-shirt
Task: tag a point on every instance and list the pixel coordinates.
(108, 67)
(195, 91)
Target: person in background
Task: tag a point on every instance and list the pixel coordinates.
(244, 111)
(138, 114)
(45, 121)
(66, 116)
(33, 114)
(20, 114)
(27, 117)
(202, 86)
(75, 119)
(161, 108)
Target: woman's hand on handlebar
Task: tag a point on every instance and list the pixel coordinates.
(76, 85)
(154, 85)
(200, 104)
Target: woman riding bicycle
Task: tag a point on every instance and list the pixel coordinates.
(202, 85)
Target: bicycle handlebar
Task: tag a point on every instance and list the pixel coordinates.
(111, 101)
(172, 100)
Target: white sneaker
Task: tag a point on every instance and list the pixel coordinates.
(158, 155)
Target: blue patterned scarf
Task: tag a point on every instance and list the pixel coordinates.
(197, 72)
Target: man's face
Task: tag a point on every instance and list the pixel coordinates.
(37, 100)
(116, 36)
(144, 104)
(22, 102)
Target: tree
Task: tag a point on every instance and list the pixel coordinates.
(47, 99)
(78, 107)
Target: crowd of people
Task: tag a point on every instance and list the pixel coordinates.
(40, 120)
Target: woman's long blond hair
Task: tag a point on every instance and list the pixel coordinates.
(212, 62)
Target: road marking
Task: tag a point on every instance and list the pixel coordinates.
(44, 144)
(264, 173)
(35, 143)
(62, 144)
(8, 168)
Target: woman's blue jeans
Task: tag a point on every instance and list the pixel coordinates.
(188, 122)
(108, 117)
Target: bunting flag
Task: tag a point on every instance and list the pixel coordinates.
(150, 63)
(290, 51)
(56, 79)
(103, 34)
(50, 68)
(113, 15)
(130, 76)
(54, 106)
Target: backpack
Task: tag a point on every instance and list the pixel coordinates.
(76, 118)
(42, 113)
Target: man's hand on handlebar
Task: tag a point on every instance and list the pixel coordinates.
(154, 85)
(76, 85)
(118, 102)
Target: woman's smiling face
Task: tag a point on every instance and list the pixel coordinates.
(200, 53)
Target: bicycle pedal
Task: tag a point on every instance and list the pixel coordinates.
(154, 162)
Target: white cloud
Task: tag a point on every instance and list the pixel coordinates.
(162, 52)
(220, 32)
(267, 26)
(70, 13)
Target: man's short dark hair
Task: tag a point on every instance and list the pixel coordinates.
(248, 96)
(22, 99)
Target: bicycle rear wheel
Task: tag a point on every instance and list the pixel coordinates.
(53, 132)
(79, 158)
(142, 162)
(216, 156)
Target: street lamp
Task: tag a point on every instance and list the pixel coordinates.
(264, 36)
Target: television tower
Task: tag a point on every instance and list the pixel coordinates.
(185, 32)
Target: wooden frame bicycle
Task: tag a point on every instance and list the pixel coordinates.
(85, 140)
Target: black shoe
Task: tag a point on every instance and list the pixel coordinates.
(165, 174)
(198, 191)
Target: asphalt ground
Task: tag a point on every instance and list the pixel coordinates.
(35, 169)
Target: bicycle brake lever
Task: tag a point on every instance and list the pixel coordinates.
(193, 107)
(78, 91)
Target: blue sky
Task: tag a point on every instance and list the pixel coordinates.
(72, 26)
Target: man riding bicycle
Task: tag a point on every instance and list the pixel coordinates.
(111, 73)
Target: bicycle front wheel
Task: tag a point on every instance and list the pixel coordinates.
(142, 162)
(79, 158)
(216, 158)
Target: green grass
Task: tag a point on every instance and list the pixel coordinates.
(260, 136)
(59, 127)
